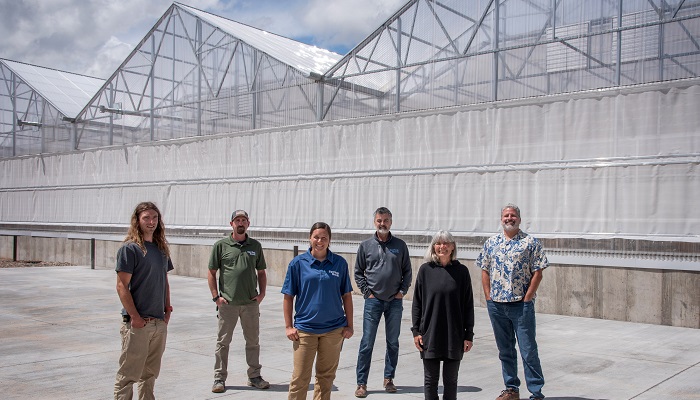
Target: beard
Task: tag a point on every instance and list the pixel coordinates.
(240, 230)
(382, 231)
(511, 227)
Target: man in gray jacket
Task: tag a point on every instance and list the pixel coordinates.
(383, 274)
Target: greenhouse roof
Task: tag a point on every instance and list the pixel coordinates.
(304, 57)
(66, 91)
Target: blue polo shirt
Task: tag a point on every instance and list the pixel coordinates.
(318, 287)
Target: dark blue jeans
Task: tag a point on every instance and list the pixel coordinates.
(374, 309)
(511, 321)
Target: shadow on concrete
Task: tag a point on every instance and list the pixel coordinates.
(272, 388)
(419, 389)
(571, 398)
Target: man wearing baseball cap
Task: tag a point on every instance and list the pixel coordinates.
(238, 293)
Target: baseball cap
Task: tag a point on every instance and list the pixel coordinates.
(239, 213)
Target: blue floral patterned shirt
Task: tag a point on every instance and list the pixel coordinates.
(510, 264)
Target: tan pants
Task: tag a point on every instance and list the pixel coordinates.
(142, 350)
(325, 347)
(250, 322)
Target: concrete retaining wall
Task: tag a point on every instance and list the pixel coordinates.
(654, 296)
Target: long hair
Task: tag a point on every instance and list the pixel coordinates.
(136, 236)
(440, 237)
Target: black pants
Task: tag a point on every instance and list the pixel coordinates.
(450, 370)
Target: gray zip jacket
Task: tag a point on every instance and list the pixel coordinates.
(383, 268)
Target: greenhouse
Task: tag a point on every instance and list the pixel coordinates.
(585, 114)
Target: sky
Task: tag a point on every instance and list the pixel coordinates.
(92, 37)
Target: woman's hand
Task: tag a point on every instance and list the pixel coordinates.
(418, 341)
(468, 345)
(292, 333)
(348, 332)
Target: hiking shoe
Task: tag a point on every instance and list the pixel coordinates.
(389, 385)
(258, 382)
(509, 394)
(361, 391)
(219, 387)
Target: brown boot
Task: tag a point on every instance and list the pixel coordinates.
(389, 385)
(361, 391)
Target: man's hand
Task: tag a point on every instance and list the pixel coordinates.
(399, 295)
(137, 322)
(259, 298)
(221, 301)
(292, 333)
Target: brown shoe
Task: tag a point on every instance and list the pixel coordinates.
(219, 386)
(389, 385)
(361, 391)
(509, 394)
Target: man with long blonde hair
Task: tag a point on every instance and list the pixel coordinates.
(143, 262)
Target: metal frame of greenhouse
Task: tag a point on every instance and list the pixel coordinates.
(197, 74)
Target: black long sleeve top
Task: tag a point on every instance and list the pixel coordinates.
(443, 310)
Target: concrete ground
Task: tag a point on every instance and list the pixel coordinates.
(59, 339)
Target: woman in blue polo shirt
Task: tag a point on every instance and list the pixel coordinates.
(320, 281)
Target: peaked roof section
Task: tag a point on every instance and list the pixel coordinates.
(305, 58)
(66, 91)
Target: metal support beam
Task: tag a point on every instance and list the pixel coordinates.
(319, 100)
(494, 82)
(398, 64)
(618, 50)
(13, 96)
(92, 253)
(198, 50)
(151, 77)
(661, 52)
(14, 248)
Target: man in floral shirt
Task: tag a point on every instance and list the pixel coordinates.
(511, 270)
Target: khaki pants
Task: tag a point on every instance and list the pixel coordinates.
(250, 322)
(142, 350)
(325, 347)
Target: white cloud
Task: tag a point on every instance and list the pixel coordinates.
(346, 22)
(109, 57)
(94, 36)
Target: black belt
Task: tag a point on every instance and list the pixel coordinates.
(127, 318)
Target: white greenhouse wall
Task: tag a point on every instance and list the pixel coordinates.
(618, 163)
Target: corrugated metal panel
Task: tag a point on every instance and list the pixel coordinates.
(298, 55)
(66, 91)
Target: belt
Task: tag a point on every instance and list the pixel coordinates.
(127, 318)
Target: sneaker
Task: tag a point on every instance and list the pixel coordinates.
(509, 394)
(219, 386)
(258, 382)
(389, 385)
(361, 391)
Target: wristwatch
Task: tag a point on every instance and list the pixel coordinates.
(216, 298)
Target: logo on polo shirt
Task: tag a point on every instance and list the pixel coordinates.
(251, 253)
(394, 251)
(335, 273)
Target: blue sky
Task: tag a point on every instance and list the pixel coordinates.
(92, 37)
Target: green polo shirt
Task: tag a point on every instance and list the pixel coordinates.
(238, 265)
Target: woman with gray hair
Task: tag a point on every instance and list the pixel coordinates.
(443, 315)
